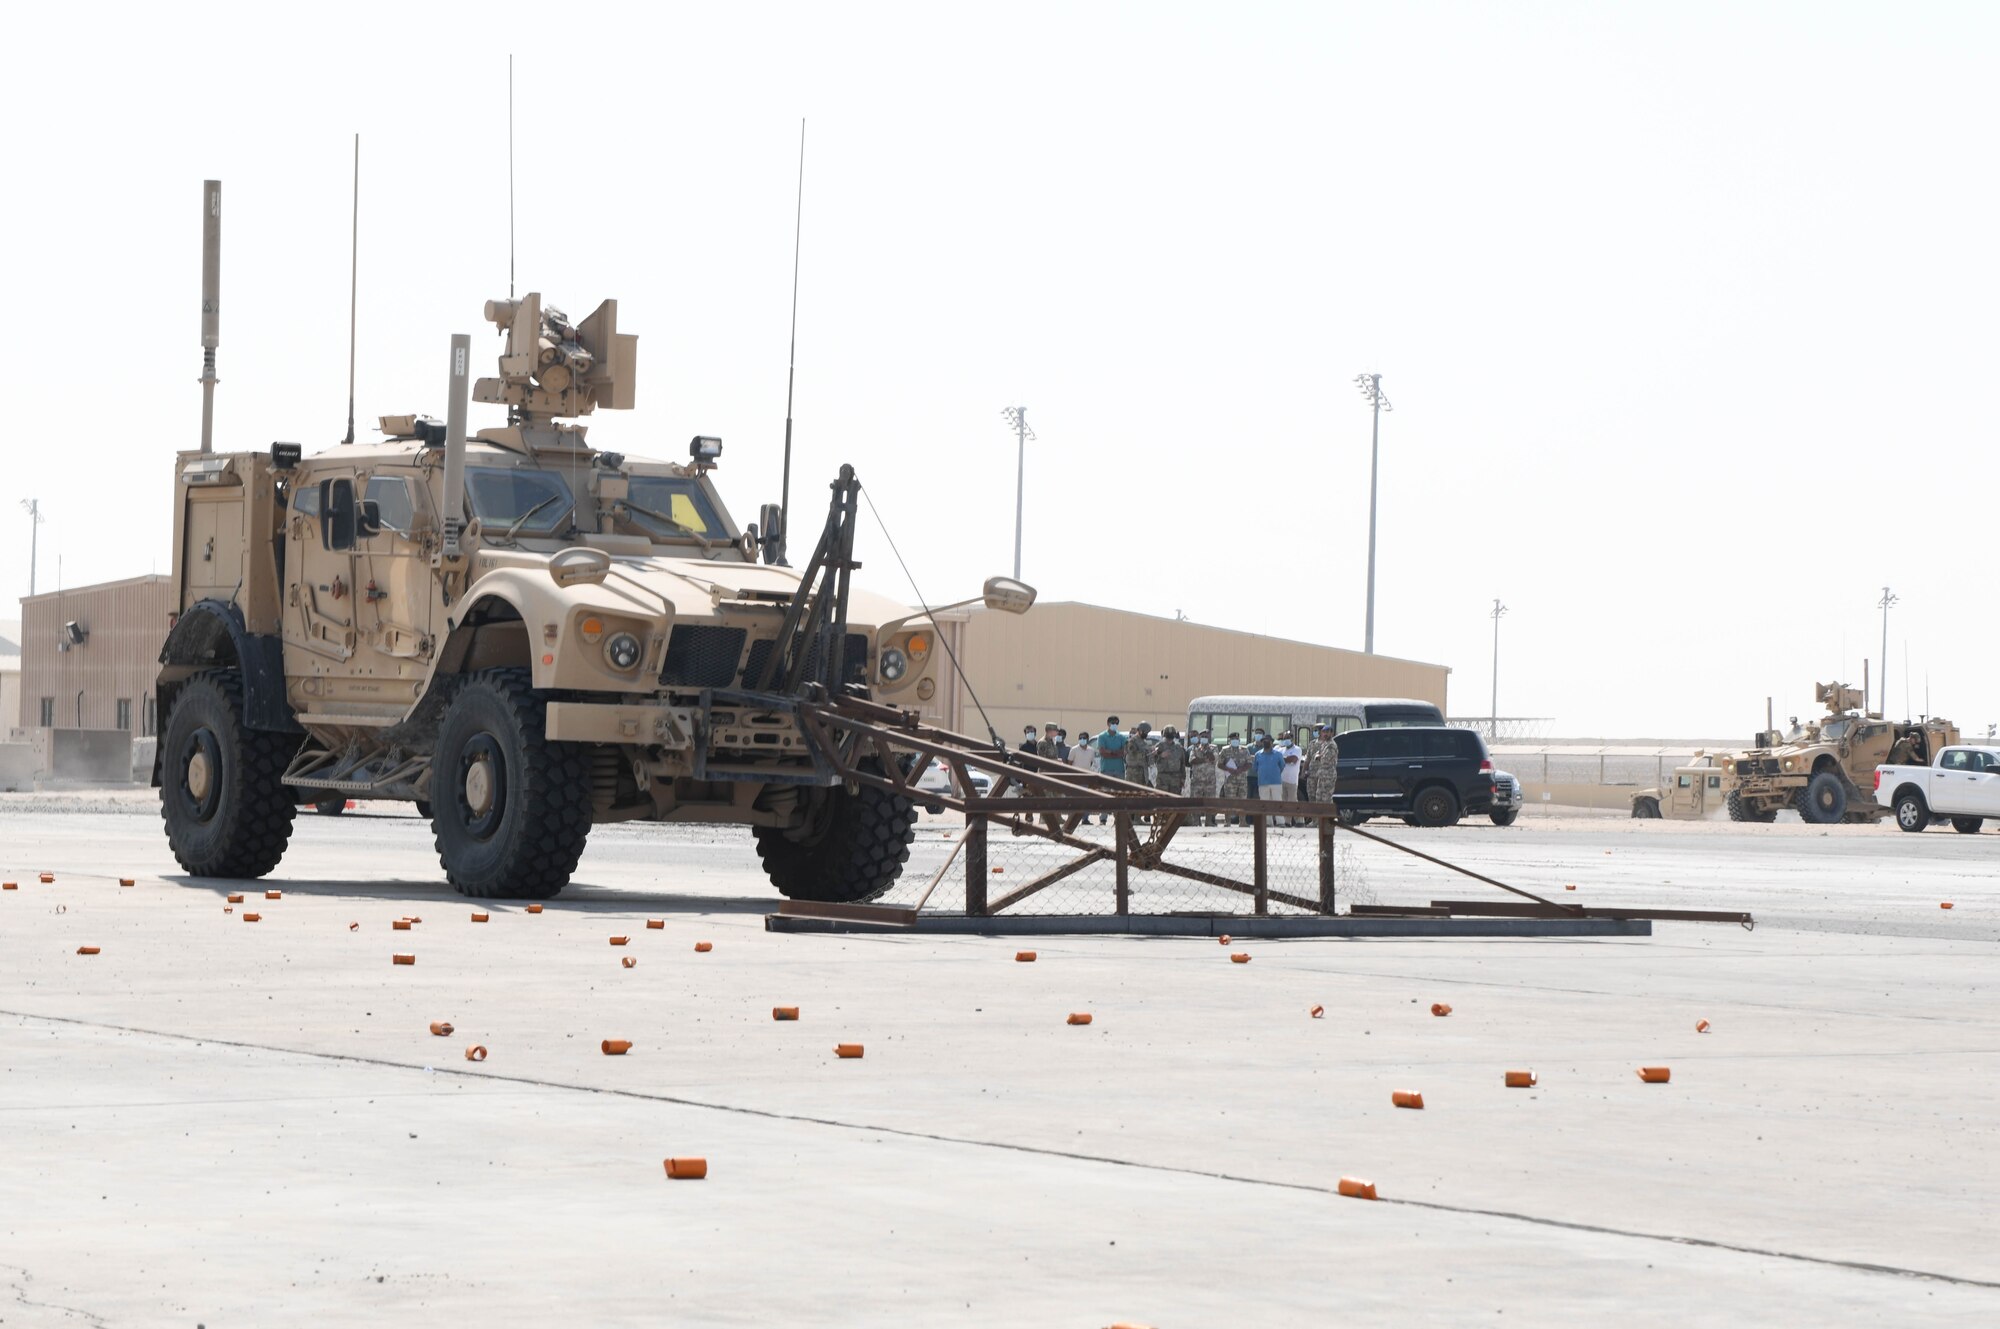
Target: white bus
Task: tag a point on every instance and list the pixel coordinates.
(1223, 716)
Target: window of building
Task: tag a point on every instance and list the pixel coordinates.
(124, 720)
(48, 712)
(152, 717)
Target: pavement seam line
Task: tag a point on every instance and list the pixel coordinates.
(1858, 1266)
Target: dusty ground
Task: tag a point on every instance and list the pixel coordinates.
(220, 1123)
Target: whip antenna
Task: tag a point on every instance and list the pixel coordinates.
(510, 175)
(353, 286)
(211, 304)
(791, 369)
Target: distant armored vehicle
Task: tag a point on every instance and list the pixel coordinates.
(520, 634)
(1699, 788)
(1826, 770)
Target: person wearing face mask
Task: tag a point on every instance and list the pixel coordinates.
(1170, 762)
(1028, 738)
(1202, 781)
(1111, 747)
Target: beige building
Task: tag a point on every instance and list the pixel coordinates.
(1075, 664)
(99, 673)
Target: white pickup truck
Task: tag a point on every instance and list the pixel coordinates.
(1963, 784)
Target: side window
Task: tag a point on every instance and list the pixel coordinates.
(1394, 744)
(391, 496)
(305, 501)
(1467, 745)
(1955, 760)
(1715, 782)
(1684, 782)
(1346, 724)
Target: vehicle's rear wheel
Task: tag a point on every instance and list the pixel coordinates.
(1967, 825)
(222, 795)
(1646, 809)
(510, 808)
(850, 848)
(1911, 814)
(1506, 816)
(1823, 801)
(1436, 806)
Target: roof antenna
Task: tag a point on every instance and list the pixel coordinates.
(353, 286)
(211, 305)
(510, 175)
(791, 369)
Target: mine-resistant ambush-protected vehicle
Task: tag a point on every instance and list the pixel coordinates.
(1826, 769)
(522, 635)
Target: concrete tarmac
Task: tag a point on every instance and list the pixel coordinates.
(224, 1123)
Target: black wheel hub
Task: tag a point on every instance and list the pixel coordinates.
(481, 787)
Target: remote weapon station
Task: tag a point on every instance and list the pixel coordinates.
(521, 635)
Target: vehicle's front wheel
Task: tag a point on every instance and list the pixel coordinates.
(1967, 825)
(1911, 814)
(1436, 806)
(1737, 812)
(1506, 816)
(510, 809)
(227, 810)
(850, 848)
(1646, 809)
(1823, 801)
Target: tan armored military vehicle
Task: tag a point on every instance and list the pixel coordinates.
(522, 635)
(1698, 789)
(1826, 769)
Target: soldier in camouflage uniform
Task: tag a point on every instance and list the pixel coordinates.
(1139, 755)
(1234, 764)
(1049, 745)
(1323, 767)
(1170, 763)
(1202, 782)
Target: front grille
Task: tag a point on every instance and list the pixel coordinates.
(1757, 766)
(702, 656)
(854, 662)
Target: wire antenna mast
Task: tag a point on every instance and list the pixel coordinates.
(353, 286)
(792, 364)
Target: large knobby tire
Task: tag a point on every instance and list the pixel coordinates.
(222, 794)
(1436, 806)
(1911, 813)
(1823, 802)
(851, 848)
(1646, 809)
(1967, 825)
(1737, 812)
(509, 808)
(1506, 816)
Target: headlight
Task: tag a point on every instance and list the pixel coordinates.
(622, 651)
(893, 665)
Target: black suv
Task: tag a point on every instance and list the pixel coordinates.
(1428, 777)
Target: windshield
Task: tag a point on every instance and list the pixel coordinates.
(675, 507)
(502, 496)
(1834, 730)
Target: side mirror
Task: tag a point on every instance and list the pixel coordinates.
(771, 521)
(337, 514)
(368, 519)
(1008, 596)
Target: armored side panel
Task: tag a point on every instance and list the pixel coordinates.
(226, 535)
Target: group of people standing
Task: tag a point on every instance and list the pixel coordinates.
(1270, 768)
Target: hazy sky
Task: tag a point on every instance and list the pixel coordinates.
(1687, 311)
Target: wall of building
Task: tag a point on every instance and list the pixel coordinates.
(119, 660)
(1075, 664)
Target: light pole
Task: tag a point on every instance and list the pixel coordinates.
(1371, 388)
(1498, 610)
(1888, 598)
(1017, 419)
(33, 507)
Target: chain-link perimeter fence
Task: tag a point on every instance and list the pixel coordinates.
(1028, 874)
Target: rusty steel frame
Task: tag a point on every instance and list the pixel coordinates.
(1054, 799)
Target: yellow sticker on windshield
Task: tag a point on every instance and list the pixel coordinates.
(685, 512)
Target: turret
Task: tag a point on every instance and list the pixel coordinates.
(551, 369)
